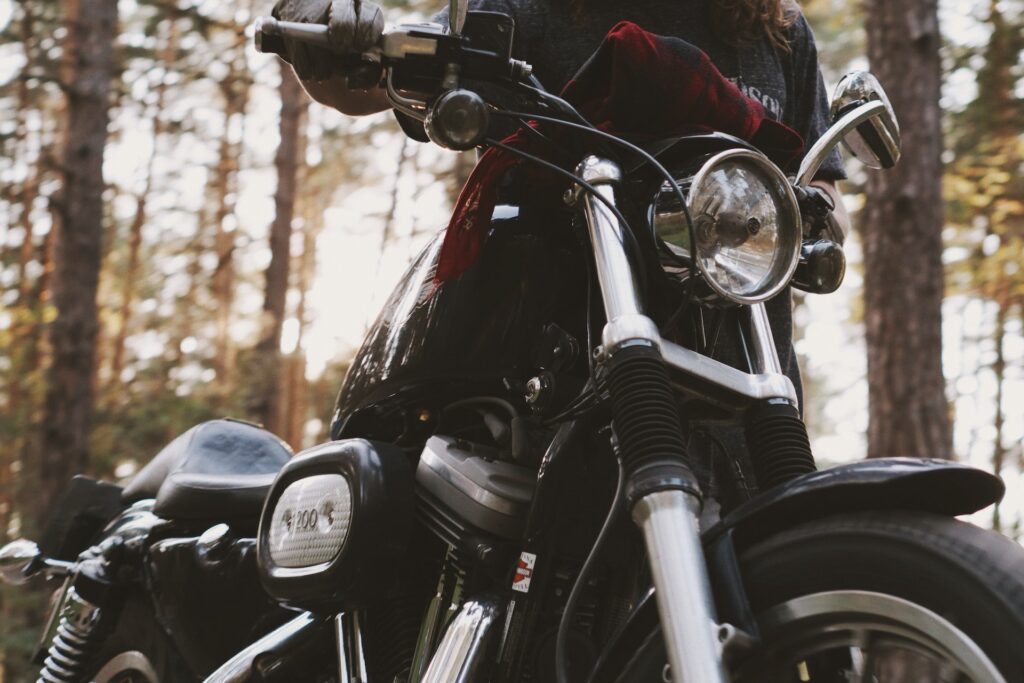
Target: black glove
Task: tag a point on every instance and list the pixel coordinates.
(816, 208)
(354, 26)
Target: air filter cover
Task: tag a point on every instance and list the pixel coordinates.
(336, 524)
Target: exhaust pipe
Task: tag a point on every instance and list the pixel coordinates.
(462, 655)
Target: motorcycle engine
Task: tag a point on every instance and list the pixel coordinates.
(473, 502)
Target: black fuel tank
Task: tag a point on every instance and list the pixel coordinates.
(465, 336)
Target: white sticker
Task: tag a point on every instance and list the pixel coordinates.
(524, 572)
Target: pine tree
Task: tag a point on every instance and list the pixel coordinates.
(89, 70)
(265, 394)
(902, 229)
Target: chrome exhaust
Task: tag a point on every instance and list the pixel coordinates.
(462, 655)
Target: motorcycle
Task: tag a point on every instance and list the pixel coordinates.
(470, 518)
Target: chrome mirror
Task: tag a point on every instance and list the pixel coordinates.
(15, 557)
(457, 15)
(863, 120)
(875, 142)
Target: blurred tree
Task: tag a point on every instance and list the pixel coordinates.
(234, 87)
(266, 392)
(89, 69)
(130, 274)
(902, 231)
(986, 198)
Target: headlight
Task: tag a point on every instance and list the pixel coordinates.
(310, 522)
(746, 226)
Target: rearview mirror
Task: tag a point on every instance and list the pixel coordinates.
(875, 142)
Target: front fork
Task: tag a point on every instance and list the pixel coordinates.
(662, 490)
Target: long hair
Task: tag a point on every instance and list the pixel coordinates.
(739, 23)
(742, 22)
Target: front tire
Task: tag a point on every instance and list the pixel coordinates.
(891, 597)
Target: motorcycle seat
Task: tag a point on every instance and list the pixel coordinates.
(221, 469)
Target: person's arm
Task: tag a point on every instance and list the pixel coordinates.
(811, 112)
(334, 92)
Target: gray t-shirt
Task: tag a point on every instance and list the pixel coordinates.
(557, 41)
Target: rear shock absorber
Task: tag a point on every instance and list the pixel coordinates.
(777, 441)
(74, 642)
(83, 615)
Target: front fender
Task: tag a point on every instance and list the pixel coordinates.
(937, 486)
(941, 487)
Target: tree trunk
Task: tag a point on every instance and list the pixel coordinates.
(902, 228)
(129, 282)
(89, 66)
(265, 400)
(236, 95)
(295, 413)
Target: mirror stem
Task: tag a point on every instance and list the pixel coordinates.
(817, 154)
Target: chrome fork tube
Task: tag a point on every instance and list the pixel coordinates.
(667, 515)
(765, 355)
(614, 272)
(668, 520)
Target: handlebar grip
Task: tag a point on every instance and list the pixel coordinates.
(269, 44)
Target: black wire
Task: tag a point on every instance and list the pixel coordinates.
(590, 394)
(561, 171)
(592, 130)
(558, 103)
(527, 128)
(561, 664)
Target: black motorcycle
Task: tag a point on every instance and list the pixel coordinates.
(470, 519)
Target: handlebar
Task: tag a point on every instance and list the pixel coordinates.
(395, 45)
(270, 34)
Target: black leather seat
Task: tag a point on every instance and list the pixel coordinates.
(220, 469)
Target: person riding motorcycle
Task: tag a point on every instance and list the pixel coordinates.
(770, 56)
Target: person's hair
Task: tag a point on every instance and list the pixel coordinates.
(740, 22)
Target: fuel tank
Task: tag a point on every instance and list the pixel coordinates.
(474, 334)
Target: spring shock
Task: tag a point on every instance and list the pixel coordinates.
(75, 641)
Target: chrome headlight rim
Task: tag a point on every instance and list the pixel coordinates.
(762, 162)
(786, 198)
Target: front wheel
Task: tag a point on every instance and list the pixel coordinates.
(893, 597)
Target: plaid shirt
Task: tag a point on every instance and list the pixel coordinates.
(637, 85)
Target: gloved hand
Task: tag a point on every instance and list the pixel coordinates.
(353, 27)
(816, 207)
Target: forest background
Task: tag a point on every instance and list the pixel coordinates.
(244, 240)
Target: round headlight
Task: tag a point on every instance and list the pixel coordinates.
(746, 226)
(310, 521)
